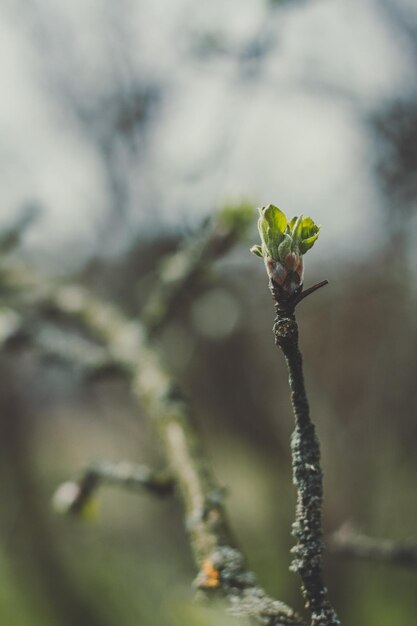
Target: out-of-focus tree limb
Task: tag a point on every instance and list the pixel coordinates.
(178, 271)
(220, 563)
(347, 542)
(74, 496)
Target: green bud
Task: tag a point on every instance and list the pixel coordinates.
(272, 226)
(305, 232)
(308, 228)
(283, 243)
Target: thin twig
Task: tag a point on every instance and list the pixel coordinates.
(74, 496)
(307, 473)
(307, 292)
(347, 542)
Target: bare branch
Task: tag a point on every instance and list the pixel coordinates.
(307, 472)
(221, 564)
(307, 292)
(214, 548)
(73, 496)
(347, 542)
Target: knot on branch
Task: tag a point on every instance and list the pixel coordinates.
(231, 565)
(225, 568)
(285, 330)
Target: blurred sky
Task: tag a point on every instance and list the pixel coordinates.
(119, 117)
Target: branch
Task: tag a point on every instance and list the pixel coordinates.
(181, 269)
(177, 273)
(221, 564)
(74, 496)
(307, 292)
(346, 542)
(307, 472)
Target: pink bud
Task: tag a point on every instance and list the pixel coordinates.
(276, 271)
(294, 262)
(287, 274)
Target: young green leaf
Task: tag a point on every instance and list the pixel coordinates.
(308, 228)
(284, 247)
(276, 220)
(308, 243)
(257, 250)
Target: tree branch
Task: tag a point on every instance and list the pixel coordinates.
(221, 564)
(182, 268)
(74, 496)
(307, 472)
(347, 542)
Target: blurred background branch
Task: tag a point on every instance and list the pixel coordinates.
(127, 345)
(347, 542)
(76, 496)
(179, 271)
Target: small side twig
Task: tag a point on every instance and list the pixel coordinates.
(307, 472)
(73, 496)
(307, 292)
(346, 542)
